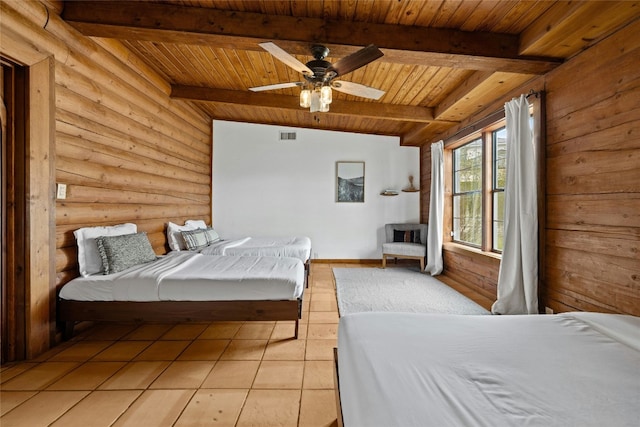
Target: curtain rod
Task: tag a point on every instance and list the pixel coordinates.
(535, 93)
(485, 121)
(469, 129)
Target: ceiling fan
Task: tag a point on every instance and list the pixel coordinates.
(320, 75)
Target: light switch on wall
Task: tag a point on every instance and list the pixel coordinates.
(61, 191)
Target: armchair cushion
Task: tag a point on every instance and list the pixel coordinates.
(403, 249)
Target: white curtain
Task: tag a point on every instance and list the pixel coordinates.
(436, 210)
(518, 277)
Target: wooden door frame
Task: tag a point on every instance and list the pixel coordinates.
(37, 221)
(40, 224)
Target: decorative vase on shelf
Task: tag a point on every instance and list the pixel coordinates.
(410, 188)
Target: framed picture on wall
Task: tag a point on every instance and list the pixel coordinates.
(350, 182)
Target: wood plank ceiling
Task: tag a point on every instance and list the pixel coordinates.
(443, 59)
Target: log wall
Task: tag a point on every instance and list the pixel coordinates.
(593, 179)
(125, 150)
(592, 233)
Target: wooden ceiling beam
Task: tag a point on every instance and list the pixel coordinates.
(243, 30)
(572, 22)
(417, 136)
(372, 110)
(461, 91)
(544, 28)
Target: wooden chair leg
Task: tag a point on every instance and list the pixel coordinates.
(384, 261)
(421, 264)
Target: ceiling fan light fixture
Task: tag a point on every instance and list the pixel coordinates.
(315, 101)
(305, 97)
(318, 99)
(325, 94)
(316, 92)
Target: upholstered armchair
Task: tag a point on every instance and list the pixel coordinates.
(405, 241)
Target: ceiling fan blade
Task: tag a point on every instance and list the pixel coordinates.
(276, 86)
(283, 56)
(357, 89)
(356, 60)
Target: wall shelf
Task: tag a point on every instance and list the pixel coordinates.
(411, 188)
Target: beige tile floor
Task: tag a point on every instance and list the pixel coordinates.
(191, 374)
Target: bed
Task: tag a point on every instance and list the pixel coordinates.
(187, 286)
(197, 240)
(408, 369)
(292, 247)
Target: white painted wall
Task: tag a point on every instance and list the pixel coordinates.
(266, 187)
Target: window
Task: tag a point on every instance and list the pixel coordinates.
(467, 193)
(475, 176)
(478, 176)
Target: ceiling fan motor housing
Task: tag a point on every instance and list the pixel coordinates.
(319, 66)
(319, 52)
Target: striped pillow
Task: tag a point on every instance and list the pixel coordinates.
(195, 240)
(212, 235)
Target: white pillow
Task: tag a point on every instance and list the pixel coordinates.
(89, 261)
(196, 223)
(174, 236)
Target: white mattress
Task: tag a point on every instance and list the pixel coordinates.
(294, 247)
(188, 276)
(571, 369)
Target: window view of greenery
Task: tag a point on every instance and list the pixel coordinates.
(479, 180)
(499, 142)
(467, 197)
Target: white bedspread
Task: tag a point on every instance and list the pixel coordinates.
(572, 369)
(235, 278)
(294, 247)
(188, 276)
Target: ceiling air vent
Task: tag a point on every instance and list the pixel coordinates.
(288, 136)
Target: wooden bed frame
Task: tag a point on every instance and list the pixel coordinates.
(70, 311)
(307, 270)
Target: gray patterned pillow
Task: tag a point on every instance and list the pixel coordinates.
(212, 235)
(121, 252)
(195, 239)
